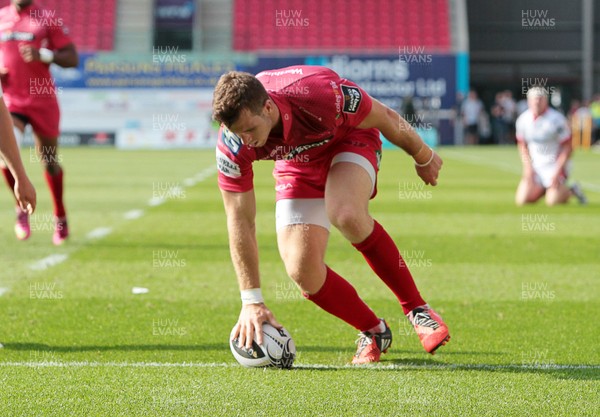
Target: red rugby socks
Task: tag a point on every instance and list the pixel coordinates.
(383, 257)
(339, 298)
(55, 183)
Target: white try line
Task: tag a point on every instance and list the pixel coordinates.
(506, 167)
(133, 214)
(99, 233)
(381, 367)
(48, 261)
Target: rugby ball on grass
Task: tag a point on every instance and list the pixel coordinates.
(278, 349)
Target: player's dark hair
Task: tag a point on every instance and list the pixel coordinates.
(234, 92)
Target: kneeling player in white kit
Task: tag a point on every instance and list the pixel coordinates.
(544, 140)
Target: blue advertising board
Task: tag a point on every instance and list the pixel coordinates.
(165, 68)
(429, 80)
(389, 78)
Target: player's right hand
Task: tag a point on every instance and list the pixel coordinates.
(250, 322)
(25, 195)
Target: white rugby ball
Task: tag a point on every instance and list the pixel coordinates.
(278, 349)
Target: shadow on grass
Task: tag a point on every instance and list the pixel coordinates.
(39, 347)
(559, 371)
(164, 347)
(564, 371)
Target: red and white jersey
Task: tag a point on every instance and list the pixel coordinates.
(317, 108)
(34, 26)
(543, 135)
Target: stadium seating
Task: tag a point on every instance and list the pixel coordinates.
(330, 25)
(91, 23)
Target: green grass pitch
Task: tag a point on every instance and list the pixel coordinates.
(518, 287)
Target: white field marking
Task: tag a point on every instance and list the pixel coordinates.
(484, 162)
(156, 201)
(587, 186)
(3, 290)
(48, 261)
(205, 173)
(199, 177)
(140, 290)
(99, 233)
(189, 182)
(377, 367)
(133, 214)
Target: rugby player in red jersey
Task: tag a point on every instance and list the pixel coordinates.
(31, 38)
(323, 133)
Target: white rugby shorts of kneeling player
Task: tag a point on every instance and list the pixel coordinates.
(544, 174)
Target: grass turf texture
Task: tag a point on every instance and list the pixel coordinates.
(517, 286)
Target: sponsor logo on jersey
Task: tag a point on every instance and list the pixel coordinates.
(226, 166)
(282, 187)
(352, 98)
(338, 98)
(302, 148)
(16, 36)
(231, 140)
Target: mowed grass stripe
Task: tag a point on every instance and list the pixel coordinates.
(382, 367)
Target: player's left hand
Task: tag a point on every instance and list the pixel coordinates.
(29, 53)
(429, 173)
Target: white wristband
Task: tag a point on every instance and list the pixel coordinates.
(46, 55)
(428, 162)
(252, 296)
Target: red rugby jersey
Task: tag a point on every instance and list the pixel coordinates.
(40, 28)
(317, 109)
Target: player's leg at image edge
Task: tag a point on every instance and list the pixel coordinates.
(22, 227)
